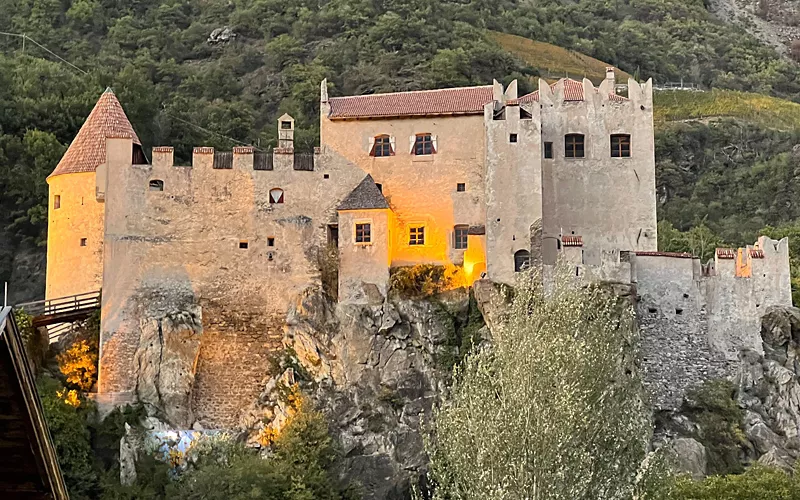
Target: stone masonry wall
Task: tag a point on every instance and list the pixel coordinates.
(211, 238)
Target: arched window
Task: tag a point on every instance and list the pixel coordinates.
(276, 195)
(522, 260)
(382, 146)
(156, 185)
(573, 145)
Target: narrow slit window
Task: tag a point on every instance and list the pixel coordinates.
(83, 242)
(270, 242)
(574, 146)
(423, 145)
(57, 201)
(275, 195)
(416, 236)
(156, 185)
(382, 146)
(620, 146)
(363, 232)
(548, 150)
(460, 236)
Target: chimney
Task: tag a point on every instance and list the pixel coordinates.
(285, 132)
(610, 77)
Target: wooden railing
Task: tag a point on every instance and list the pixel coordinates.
(62, 309)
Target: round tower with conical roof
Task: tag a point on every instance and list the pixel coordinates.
(75, 224)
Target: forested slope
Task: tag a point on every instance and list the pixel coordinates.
(181, 87)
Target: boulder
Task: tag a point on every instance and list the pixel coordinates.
(690, 457)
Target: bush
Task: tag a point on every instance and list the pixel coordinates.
(424, 280)
(71, 437)
(79, 364)
(758, 483)
(298, 469)
(719, 418)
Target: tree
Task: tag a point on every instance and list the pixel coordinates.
(553, 410)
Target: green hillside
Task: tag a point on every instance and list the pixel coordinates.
(553, 61)
(763, 110)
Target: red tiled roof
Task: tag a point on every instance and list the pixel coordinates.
(679, 255)
(573, 91)
(572, 241)
(726, 253)
(464, 100)
(88, 149)
(756, 253)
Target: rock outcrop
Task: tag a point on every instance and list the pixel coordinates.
(375, 370)
(165, 360)
(768, 388)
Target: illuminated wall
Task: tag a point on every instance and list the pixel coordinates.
(74, 236)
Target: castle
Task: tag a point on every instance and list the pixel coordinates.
(477, 178)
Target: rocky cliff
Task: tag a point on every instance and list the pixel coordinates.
(774, 22)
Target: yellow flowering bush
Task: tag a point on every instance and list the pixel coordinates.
(79, 364)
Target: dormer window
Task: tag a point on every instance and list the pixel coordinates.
(424, 145)
(382, 146)
(275, 196)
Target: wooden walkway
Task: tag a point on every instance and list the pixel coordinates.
(63, 309)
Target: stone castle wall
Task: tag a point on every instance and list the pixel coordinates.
(211, 238)
(609, 202)
(695, 320)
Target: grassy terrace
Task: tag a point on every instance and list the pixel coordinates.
(757, 108)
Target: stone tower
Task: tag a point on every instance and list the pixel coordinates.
(76, 205)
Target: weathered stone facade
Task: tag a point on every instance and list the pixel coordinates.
(477, 178)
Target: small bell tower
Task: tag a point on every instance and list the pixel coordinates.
(285, 132)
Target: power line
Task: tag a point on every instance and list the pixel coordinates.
(26, 37)
(163, 109)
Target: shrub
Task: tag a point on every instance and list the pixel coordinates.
(424, 280)
(79, 364)
(719, 418)
(297, 470)
(71, 437)
(758, 483)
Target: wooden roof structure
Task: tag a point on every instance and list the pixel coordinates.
(29, 468)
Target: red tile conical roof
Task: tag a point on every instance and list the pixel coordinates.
(88, 149)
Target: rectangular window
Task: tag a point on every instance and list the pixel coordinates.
(620, 146)
(57, 201)
(416, 236)
(512, 138)
(573, 146)
(83, 242)
(363, 233)
(243, 244)
(382, 146)
(461, 187)
(270, 242)
(548, 150)
(460, 241)
(286, 125)
(423, 145)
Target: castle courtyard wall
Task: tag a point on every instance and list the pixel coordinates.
(183, 247)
